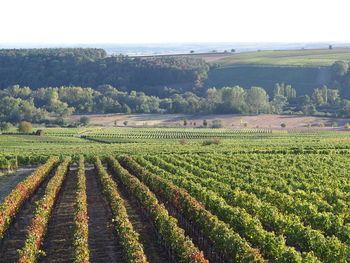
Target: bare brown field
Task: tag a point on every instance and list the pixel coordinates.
(230, 121)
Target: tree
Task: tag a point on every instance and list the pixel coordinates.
(125, 123)
(257, 100)
(320, 96)
(84, 120)
(278, 103)
(339, 68)
(309, 109)
(25, 127)
(5, 126)
(333, 96)
(284, 90)
(283, 125)
(233, 100)
(205, 123)
(185, 122)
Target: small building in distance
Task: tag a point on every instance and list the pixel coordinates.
(40, 133)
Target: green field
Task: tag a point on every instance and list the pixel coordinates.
(176, 195)
(302, 57)
(305, 69)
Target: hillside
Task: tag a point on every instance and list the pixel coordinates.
(301, 57)
(304, 69)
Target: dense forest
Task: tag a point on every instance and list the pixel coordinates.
(39, 68)
(46, 85)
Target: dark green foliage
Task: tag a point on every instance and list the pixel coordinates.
(40, 68)
(5, 126)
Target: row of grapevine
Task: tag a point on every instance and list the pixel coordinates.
(295, 232)
(314, 191)
(128, 238)
(273, 247)
(23, 190)
(173, 236)
(233, 246)
(37, 230)
(329, 222)
(8, 163)
(81, 231)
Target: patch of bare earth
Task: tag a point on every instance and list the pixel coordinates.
(230, 121)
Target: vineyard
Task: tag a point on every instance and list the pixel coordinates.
(142, 196)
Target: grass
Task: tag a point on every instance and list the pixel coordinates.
(302, 57)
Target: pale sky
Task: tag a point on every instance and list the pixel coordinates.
(152, 21)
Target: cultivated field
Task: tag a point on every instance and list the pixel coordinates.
(175, 195)
(302, 57)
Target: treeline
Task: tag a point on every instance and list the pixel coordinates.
(40, 68)
(22, 103)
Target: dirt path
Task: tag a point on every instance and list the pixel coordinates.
(103, 243)
(153, 250)
(60, 235)
(9, 181)
(16, 234)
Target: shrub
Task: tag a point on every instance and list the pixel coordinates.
(25, 127)
(283, 125)
(5, 126)
(211, 141)
(205, 123)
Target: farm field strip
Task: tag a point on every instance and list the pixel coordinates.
(286, 224)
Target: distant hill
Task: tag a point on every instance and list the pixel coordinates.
(304, 69)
